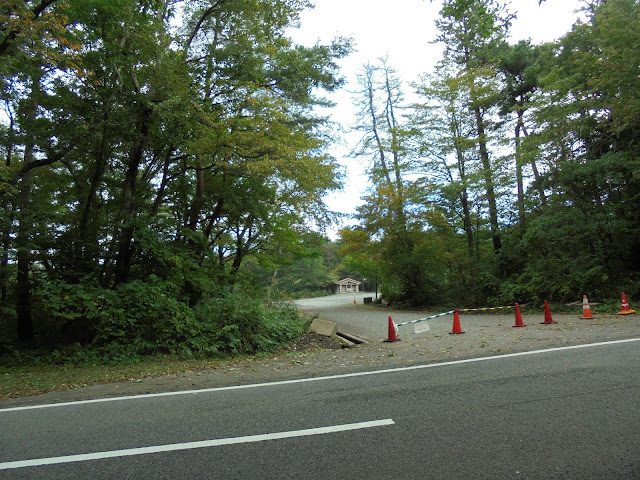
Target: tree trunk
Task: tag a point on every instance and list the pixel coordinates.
(23, 254)
(464, 194)
(125, 249)
(488, 179)
(466, 220)
(198, 199)
(163, 183)
(4, 275)
(521, 213)
(398, 198)
(6, 237)
(239, 253)
(86, 248)
(128, 207)
(536, 174)
(374, 125)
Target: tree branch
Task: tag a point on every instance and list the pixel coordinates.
(45, 161)
(202, 19)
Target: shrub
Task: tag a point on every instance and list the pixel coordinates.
(70, 313)
(146, 318)
(242, 324)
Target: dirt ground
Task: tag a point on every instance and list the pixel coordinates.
(315, 355)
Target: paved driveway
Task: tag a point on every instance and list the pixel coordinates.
(368, 322)
(333, 301)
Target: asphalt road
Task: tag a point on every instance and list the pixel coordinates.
(567, 413)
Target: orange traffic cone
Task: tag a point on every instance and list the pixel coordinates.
(625, 309)
(586, 309)
(456, 323)
(548, 320)
(519, 322)
(354, 300)
(393, 330)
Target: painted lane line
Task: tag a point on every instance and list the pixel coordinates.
(39, 462)
(318, 379)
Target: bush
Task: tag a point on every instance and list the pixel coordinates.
(146, 318)
(68, 313)
(242, 324)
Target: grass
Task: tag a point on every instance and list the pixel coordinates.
(20, 381)
(33, 375)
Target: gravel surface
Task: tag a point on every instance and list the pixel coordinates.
(486, 334)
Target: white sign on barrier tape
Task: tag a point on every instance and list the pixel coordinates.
(421, 327)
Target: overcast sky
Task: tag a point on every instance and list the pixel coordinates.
(403, 33)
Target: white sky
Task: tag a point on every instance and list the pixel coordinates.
(402, 32)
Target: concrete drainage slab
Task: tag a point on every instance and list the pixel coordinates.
(351, 338)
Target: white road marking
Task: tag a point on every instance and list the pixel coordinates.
(39, 462)
(317, 379)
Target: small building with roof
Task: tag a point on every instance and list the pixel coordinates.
(348, 285)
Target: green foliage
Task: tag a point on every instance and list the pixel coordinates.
(147, 315)
(304, 277)
(73, 311)
(560, 209)
(249, 326)
(144, 318)
(143, 164)
(156, 182)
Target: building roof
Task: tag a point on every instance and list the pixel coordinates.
(348, 281)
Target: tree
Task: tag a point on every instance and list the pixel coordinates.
(588, 119)
(142, 153)
(258, 132)
(446, 143)
(391, 211)
(472, 32)
(519, 66)
(33, 40)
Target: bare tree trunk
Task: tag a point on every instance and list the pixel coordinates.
(392, 125)
(488, 178)
(519, 181)
(536, 174)
(374, 123)
(392, 88)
